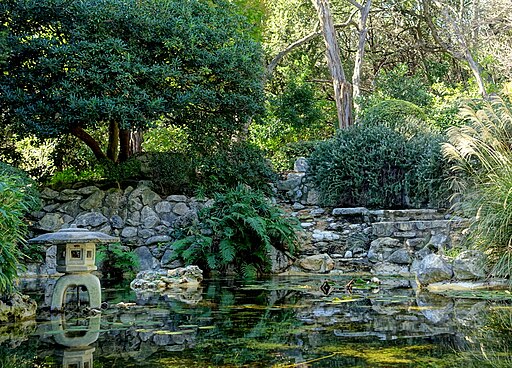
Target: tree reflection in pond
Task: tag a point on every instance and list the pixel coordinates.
(289, 322)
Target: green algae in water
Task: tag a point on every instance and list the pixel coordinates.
(288, 323)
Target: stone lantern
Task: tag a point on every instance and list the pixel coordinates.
(76, 248)
(76, 255)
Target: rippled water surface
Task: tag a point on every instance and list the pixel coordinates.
(278, 322)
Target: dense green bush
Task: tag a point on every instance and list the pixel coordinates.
(482, 178)
(240, 163)
(104, 171)
(171, 173)
(399, 115)
(375, 166)
(236, 234)
(17, 197)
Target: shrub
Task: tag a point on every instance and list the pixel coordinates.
(17, 197)
(240, 163)
(482, 178)
(170, 173)
(237, 232)
(401, 116)
(116, 262)
(105, 171)
(375, 166)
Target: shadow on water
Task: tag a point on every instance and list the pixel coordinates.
(278, 322)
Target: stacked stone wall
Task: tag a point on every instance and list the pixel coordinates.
(139, 216)
(334, 239)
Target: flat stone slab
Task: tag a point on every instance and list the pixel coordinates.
(497, 284)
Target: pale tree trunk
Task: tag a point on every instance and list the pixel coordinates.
(130, 144)
(358, 63)
(460, 37)
(475, 69)
(342, 89)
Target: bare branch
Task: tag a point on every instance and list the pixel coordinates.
(356, 4)
(275, 61)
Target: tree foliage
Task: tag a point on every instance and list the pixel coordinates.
(75, 66)
(17, 197)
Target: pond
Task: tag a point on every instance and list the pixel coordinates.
(277, 322)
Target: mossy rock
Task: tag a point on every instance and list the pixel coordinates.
(17, 307)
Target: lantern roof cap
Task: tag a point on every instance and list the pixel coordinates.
(73, 234)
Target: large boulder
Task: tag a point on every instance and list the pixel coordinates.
(317, 263)
(433, 268)
(469, 265)
(52, 222)
(146, 259)
(91, 219)
(381, 249)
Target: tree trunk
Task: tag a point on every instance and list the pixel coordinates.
(113, 141)
(458, 47)
(130, 144)
(475, 69)
(358, 63)
(339, 81)
(85, 137)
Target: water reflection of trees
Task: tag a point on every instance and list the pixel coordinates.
(491, 344)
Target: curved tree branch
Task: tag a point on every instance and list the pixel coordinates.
(275, 61)
(85, 137)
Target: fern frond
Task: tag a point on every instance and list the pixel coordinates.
(227, 250)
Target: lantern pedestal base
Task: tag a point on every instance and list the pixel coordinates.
(89, 281)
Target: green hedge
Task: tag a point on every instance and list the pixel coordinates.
(377, 167)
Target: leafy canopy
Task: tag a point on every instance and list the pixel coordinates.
(79, 65)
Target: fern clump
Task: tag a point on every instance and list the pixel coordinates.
(236, 234)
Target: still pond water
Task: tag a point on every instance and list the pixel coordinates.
(277, 322)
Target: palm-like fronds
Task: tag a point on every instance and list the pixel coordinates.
(244, 225)
(481, 153)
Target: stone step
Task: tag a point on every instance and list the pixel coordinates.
(411, 229)
(407, 215)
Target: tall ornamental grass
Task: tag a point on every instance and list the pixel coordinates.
(481, 153)
(17, 197)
